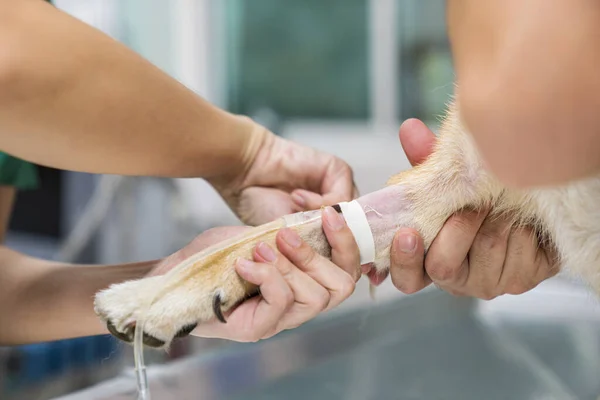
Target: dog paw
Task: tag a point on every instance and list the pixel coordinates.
(202, 287)
(171, 306)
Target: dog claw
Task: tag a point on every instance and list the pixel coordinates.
(217, 302)
(129, 334)
(186, 330)
(124, 336)
(151, 341)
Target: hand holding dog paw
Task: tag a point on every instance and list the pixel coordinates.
(296, 284)
(473, 254)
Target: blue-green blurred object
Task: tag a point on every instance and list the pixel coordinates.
(301, 59)
(18, 173)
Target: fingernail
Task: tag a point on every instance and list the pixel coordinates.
(298, 199)
(266, 252)
(334, 219)
(407, 243)
(244, 264)
(291, 238)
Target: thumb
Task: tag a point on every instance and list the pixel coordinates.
(407, 257)
(417, 140)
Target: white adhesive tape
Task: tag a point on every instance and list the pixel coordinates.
(356, 219)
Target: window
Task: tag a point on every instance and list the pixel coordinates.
(324, 60)
(300, 59)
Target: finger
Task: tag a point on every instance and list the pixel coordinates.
(258, 205)
(547, 257)
(338, 182)
(256, 317)
(310, 298)
(487, 259)
(406, 256)
(417, 140)
(332, 198)
(527, 264)
(344, 250)
(306, 200)
(444, 262)
(338, 282)
(452, 291)
(277, 295)
(520, 264)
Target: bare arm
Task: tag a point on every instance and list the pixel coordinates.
(529, 86)
(42, 300)
(73, 98)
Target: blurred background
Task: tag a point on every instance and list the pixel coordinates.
(338, 75)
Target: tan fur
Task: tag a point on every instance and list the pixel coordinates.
(451, 179)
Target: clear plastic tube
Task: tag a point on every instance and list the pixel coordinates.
(299, 218)
(140, 368)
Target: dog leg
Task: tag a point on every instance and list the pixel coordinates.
(206, 285)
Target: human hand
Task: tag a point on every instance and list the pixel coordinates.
(472, 255)
(283, 177)
(296, 283)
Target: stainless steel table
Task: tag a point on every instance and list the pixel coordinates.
(427, 346)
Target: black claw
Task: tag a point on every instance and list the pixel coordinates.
(151, 341)
(129, 334)
(186, 330)
(217, 308)
(126, 336)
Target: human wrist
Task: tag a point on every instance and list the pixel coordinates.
(250, 139)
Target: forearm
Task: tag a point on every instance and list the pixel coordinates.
(43, 301)
(528, 86)
(73, 98)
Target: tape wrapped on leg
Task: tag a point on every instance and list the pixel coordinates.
(356, 219)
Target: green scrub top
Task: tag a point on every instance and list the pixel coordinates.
(17, 173)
